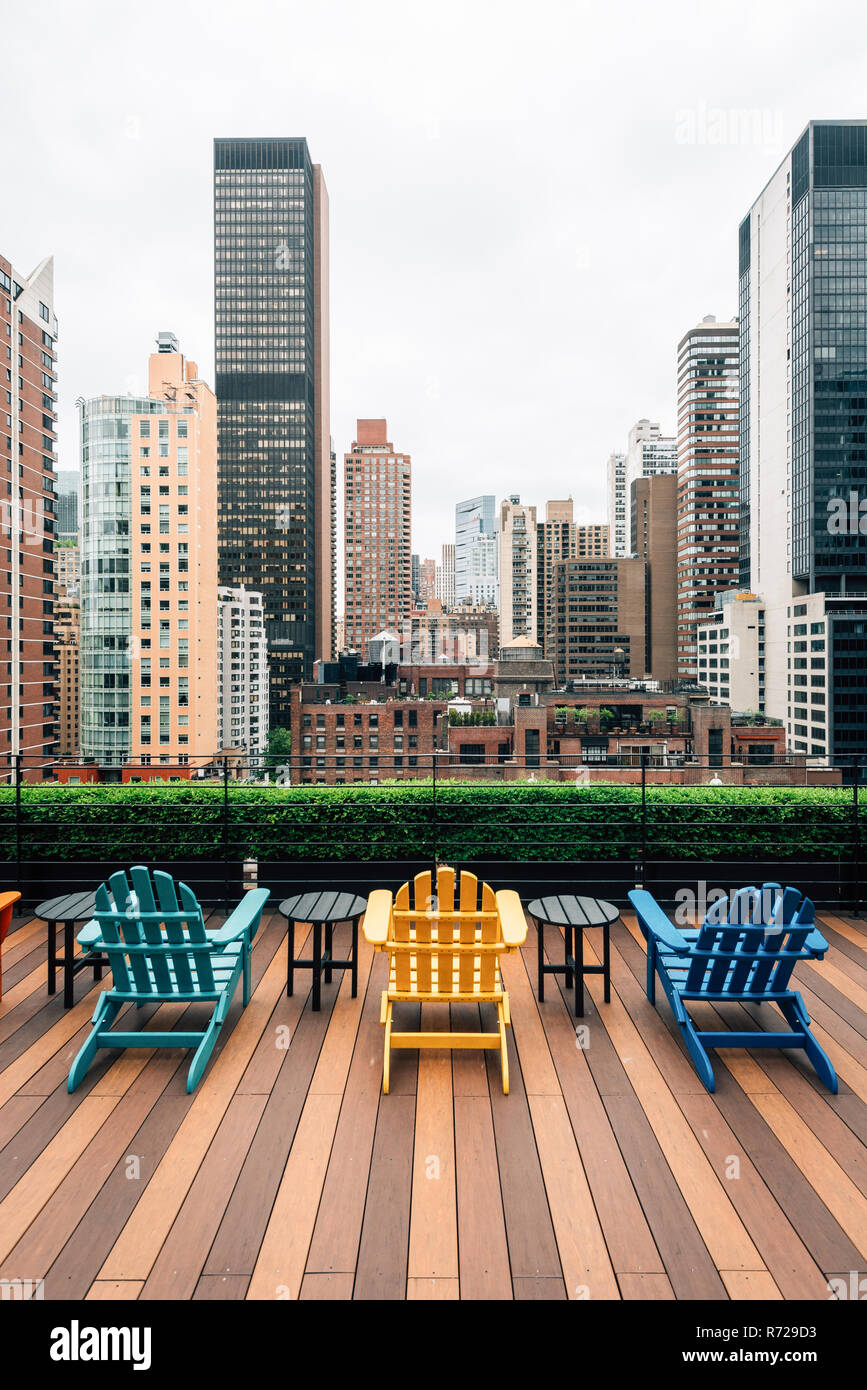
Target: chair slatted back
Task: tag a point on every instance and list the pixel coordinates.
(140, 922)
(750, 946)
(445, 930)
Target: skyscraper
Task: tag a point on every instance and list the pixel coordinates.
(618, 507)
(518, 548)
(803, 457)
(67, 505)
(707, 474)
(653, 507)
(149, 569)
(649, 452)
(445, 577)
(27, 693)
(378, 521)
(273, 392)
(475, 550)
(242, 674)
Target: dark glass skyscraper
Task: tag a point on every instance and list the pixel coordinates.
(803, 434)
(276, 509)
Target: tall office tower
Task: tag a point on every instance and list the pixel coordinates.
(653, 538)
(273, 394)
(803, 458)
(649, 452)
(27, 669)
(707, 478)
(242, 674)
(427, 580)
(556, 539)
(378, 520)
(475, 556)
(67, 634)
(618, 508)
(518, 565)
(445, 577)
(601, 630)
(66, 511)
(149, 569)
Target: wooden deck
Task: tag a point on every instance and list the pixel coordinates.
(608, 1172)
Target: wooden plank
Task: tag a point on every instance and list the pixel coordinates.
(223, 1288)
(383, 1250)
(537, 1069)
(433, 1227)
(176, 1270)
(529, 1229)
(337, 1231)
(584, 1257)
(271, 1053)
(14, 1115)
(750, 1284)
(114, 1290)
(469, 1072)
(323, 1288)
(432, 1290)
(482, 1246)
(688, 1264)
(42, 1242)
(721, 1228)
(44, 1045)
(137, 1247)
(279, 1269)
(647, 1287)
(336, 1057)
(32, 1190)
(539, 1290)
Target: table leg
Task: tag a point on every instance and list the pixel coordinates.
(329, 932)
(606, 962)
(52, 957)
(540, 946)
(568, 933)
(290, 969)
(579, 972)
(355, 958)
(68, 963)
(317, 964)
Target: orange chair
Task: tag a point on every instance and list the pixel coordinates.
(7, 902)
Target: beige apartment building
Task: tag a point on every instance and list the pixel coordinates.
(149, 570)
(377, 525)
(518, 564)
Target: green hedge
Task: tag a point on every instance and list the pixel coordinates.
(512, 821)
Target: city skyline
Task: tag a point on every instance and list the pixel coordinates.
(672, 131)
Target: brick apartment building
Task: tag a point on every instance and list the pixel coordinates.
(28, 332)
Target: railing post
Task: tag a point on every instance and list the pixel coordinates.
(18, 830)
(856, 835)
(226, 832)
(642, 868)
(434, 814)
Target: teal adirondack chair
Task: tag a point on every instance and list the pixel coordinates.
(744, 952)
(160, 951)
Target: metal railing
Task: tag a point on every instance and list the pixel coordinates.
(534, 822)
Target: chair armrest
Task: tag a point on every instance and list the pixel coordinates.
(654, 920)
(816, 942)
(89, 936)
(245, 918)
(7, 902)
(377, 918)
(512, 919)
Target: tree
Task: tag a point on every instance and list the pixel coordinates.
(279, 747)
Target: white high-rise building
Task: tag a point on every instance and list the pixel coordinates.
(518, 551)
(649, 452)
(476, 550)
(445, 577)
(618, 507)
(242, 673)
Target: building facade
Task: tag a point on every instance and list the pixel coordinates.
(67, 631)
(618, 507)
(476, 550)
(653, 538)
(67, 505)
(149, 570)
(445, 577)
(277, 494)
(518, 570)
(649, 452)
(242, 674)
(377, 535)
(27, 520)
(803, 454)
(707, 478)
(560, 537)
(601, 619)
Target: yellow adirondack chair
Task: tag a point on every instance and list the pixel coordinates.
(443, 953)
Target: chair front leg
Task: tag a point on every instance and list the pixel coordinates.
(651, 969)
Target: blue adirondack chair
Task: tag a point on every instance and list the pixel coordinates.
(160, 951)
(744, 951)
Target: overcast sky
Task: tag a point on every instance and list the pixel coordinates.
(530, 204)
